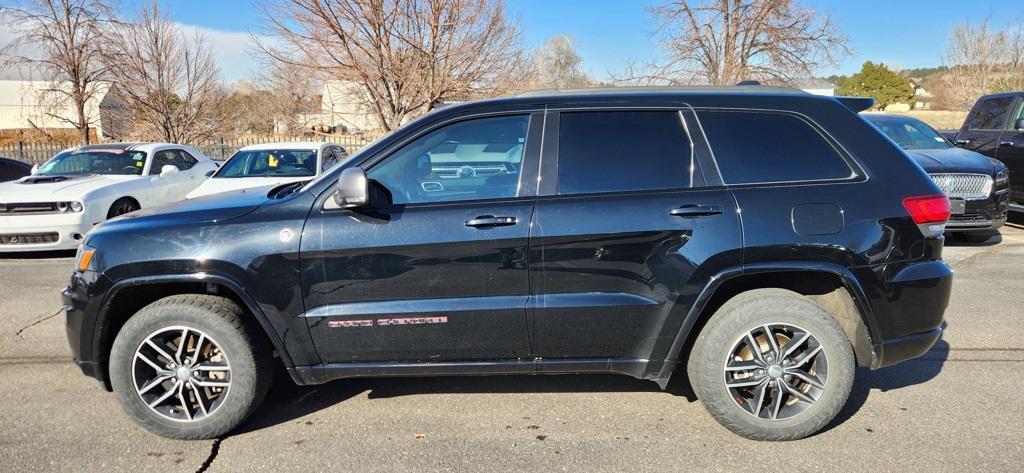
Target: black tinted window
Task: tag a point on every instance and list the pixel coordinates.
(990, 115)
(758, 147)
(622, 151)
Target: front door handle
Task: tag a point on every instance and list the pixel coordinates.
(1006, 143)
(696, 211)
(962, 142)
(484, 221)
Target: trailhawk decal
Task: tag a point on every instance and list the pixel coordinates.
(383, 322)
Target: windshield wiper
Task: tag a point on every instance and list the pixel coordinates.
(285, 190)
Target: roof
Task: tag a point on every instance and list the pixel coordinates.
(285, 144)
(595, 92)
(812, 83)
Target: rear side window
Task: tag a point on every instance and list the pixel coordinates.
(762, 147)
(990, 115)
(622, 151)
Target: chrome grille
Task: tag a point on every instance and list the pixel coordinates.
(964, 186)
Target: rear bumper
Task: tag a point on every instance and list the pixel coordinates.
(907, 304)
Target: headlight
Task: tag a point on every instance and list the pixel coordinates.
(64, 207)
(83, 260)
(1002, 176)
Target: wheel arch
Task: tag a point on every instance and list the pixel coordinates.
(831, 286)
(120, 304)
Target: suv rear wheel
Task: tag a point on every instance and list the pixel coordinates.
(188, 367)
(772, 365)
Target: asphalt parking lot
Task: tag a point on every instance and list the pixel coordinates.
(955, 409)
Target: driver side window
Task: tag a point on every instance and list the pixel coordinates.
(468, 160)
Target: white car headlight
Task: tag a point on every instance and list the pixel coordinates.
(77, 207)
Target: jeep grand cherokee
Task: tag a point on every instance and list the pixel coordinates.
(760, 241)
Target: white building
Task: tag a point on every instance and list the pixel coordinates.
(31, 104)
(345, 104)
(815, 86)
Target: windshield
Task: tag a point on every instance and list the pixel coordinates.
(270, 163)
(96, 161)
(909, 133)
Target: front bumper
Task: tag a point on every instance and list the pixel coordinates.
(17, 232)
(982, 215)
(81, 306)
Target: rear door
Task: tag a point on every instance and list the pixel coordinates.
(1011, 152)
(626, 233)
(984, 125)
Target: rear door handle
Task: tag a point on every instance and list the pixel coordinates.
(1005, 143)
(490, 221)
(962, 142)
(696, 211)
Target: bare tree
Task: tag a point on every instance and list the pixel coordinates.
(60, 39)
(169, 81)
(404, 55)
(293, 93)
(558, 64)
(981, 61)
(722, 42)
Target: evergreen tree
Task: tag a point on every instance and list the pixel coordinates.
(880, 83)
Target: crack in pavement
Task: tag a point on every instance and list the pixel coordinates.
(37, 322)
(214, 449)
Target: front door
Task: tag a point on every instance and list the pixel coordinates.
(436, 268)
(1011, 153)
(622, 247)
(984, 125)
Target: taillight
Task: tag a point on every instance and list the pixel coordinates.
(929, 212)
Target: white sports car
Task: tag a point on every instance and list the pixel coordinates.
(272, 164)
(80, 187)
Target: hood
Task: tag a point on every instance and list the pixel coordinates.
(216, 185)
(952, 160)
(210, 209)
(49, 188)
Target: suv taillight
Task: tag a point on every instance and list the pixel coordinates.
(929, 212)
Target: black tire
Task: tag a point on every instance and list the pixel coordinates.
(974, 237)
(122, 206)
(244, 348)
(750, 311)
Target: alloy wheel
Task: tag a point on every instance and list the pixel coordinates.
(776, 371)
(181, 373)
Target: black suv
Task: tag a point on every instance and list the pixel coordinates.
(760, 241)
(995, 128)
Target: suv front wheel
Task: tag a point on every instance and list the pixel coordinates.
(189, 367)
(772, 365)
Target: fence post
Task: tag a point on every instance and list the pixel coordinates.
(21, 150)
(222, 147)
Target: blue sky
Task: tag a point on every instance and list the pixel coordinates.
(904, 33)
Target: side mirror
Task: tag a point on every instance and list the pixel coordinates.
(35, 169)
(1019, 124)
(352, 189)
(168, 170)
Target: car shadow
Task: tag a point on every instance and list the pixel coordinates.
(287, 402)
(953, 241)
(909, 373)
(53, 254)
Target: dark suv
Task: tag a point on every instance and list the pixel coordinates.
(760, 241)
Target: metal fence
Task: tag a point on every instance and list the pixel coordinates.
(220, 148)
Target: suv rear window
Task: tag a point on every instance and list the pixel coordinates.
(622, 151)
(761, 147)
(990, 115)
